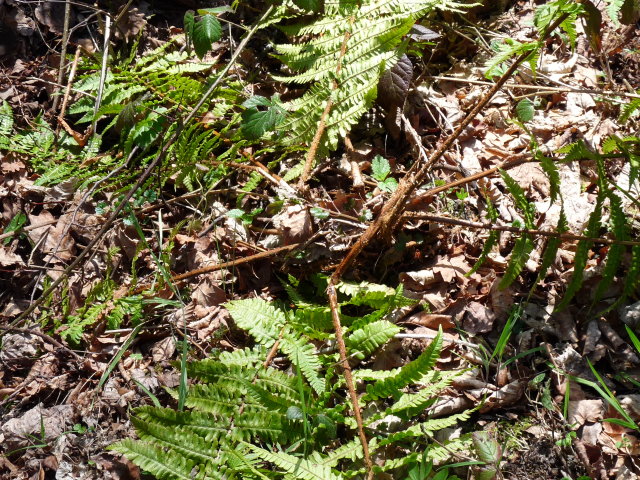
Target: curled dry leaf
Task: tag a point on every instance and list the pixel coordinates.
(294, 223)
(583, 411)
(478, 318)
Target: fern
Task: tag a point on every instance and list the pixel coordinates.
(298, 467)
(410, 373)
(241, 412)
(351, 45)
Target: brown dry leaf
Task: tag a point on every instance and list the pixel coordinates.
(54, 242)
(51, 14)
(583, 411)
(208, 294)
(431, 320)
(505, 396)
(50, 422)
(9, 259)
(454, 267)
(418, 281)
(478, 318)
(294, 223)
(131, 23)
(163, 350)
(18, 350)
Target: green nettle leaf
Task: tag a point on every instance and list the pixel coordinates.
(255, 122)
(525, 110)
(319, 213)
(380, 168)
(206, 31)
(389, 185)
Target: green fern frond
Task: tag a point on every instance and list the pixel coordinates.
(165, 465)
(409, 373)
(410, 404)
(262, 320)
(351, 45)
(428, 427)
(526, 207)
(582, 254)
(297, 467)
(366, 293)
(302, 355)
(629, 109)
(370, 337)
(549, 255)
(519, 256)
(620, 230)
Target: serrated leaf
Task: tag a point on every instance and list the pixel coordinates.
(255, 123)
(525, 110)
(488, 449)
(380, 168)
(388, 185)
(319, 213)
(189, 23)
(519, 256)
(205, 31)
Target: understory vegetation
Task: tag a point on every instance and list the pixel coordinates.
(417, 322)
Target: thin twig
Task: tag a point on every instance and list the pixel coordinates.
(63, 53)
(348, 377)
(608, 93)
(506, 228)
(221, 266)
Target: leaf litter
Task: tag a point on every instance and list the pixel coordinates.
(50, 405)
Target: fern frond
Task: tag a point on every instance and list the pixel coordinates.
(262, 320)
(620, 230)
(519, 256)
(302, 355)
(165, 465)
(298, 467)
(629, 109)
(549, 255)
(581, 256)
(428, 427)
(409, 373)
(410, 404)
(351, 45)
(366, 293)
(370, 337)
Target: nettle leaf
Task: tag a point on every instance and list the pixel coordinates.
(205, 31)
(380, 168)
(257, 122)
(525, 110)
(389, 185)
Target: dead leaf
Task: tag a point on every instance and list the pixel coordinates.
(294, 223)
(583, 411)
(478, 318)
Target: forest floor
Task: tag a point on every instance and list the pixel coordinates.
(59, 411)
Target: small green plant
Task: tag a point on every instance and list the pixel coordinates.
(247, 420)
(380, 170)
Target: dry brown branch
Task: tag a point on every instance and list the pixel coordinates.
(506, 228)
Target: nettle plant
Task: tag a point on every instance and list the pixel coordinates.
(245, 419)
